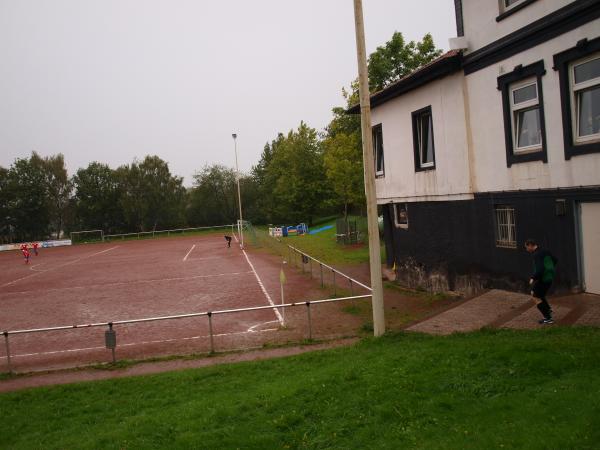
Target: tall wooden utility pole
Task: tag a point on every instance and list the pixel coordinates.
(369, 167)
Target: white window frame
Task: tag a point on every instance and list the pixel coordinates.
(573, 89)
(397, 223)
(378, 173)
(524, 106)
(504, 7)
(419, 120)
(506, 229)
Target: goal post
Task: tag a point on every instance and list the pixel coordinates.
(83, 236)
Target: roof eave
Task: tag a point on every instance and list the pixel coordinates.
(439, 69)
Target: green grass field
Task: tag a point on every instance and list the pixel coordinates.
(324, 247)
(485, 390)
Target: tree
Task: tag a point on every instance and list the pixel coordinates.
(97, 198)
(390, 62)
(297, 176)
(26, 199)
(213, 197)
(265, 204)
(151, 197)
(58, 188)
(343, 167)
(6, 225)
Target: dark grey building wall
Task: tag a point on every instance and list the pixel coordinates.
(458, 238)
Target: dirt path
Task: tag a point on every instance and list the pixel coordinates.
(76, 376)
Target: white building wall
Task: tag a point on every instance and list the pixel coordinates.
(479, 19)
(487, 126)
(450, 180)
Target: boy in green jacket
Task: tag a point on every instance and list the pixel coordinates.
(544, 271)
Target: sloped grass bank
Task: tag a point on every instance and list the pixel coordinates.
(490, 389)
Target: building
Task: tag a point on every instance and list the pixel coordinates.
(492, 143)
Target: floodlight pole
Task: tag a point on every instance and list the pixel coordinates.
(237, 175)
(369, 172)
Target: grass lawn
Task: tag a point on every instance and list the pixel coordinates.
(324, 247)
(490, 389)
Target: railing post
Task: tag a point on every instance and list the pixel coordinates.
(334, 286)
(210, 330)
(309, 321)
(7, 352)
(321, 266)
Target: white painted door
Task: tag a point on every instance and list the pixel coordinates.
(590, 226)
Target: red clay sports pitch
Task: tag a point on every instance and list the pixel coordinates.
(134, 280)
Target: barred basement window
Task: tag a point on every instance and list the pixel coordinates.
(401, 215)
(506, 235)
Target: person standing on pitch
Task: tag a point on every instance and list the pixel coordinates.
(544, 271)
(228, 239)
(35, 246)
(25, 252)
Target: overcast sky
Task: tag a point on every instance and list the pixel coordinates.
(111, 80)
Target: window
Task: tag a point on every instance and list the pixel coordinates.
(401, 215)
(523, 105)
(508, 7)
(511, 3)
(579, 73)
(526, 124)
(423, 140)
(585, 98)
(506, 235)
(378, 150)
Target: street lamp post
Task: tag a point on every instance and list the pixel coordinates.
(237, 176)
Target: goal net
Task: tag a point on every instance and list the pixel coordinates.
(79, 237)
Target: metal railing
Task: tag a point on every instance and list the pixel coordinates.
(110, 334)
(306, 263)
(158, 232)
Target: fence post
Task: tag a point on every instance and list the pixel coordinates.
(210, 330)
(7, 352)
(351, 287)
(309, 321)
(310, 264)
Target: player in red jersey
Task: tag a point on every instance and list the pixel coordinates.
(35, 246)
(26, 253)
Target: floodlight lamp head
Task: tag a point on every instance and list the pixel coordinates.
(234, 135)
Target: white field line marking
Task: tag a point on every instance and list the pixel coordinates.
(252, 329)
(35, 270)
(188, 253)
(59, 266)
(214, 257)
(121, 283)
(133, 344)
(260, 283)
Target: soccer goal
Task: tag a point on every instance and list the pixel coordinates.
(79, 237)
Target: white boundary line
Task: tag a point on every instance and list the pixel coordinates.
(133, 344)
(188, 253)
(260, 283)
(59, 266)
